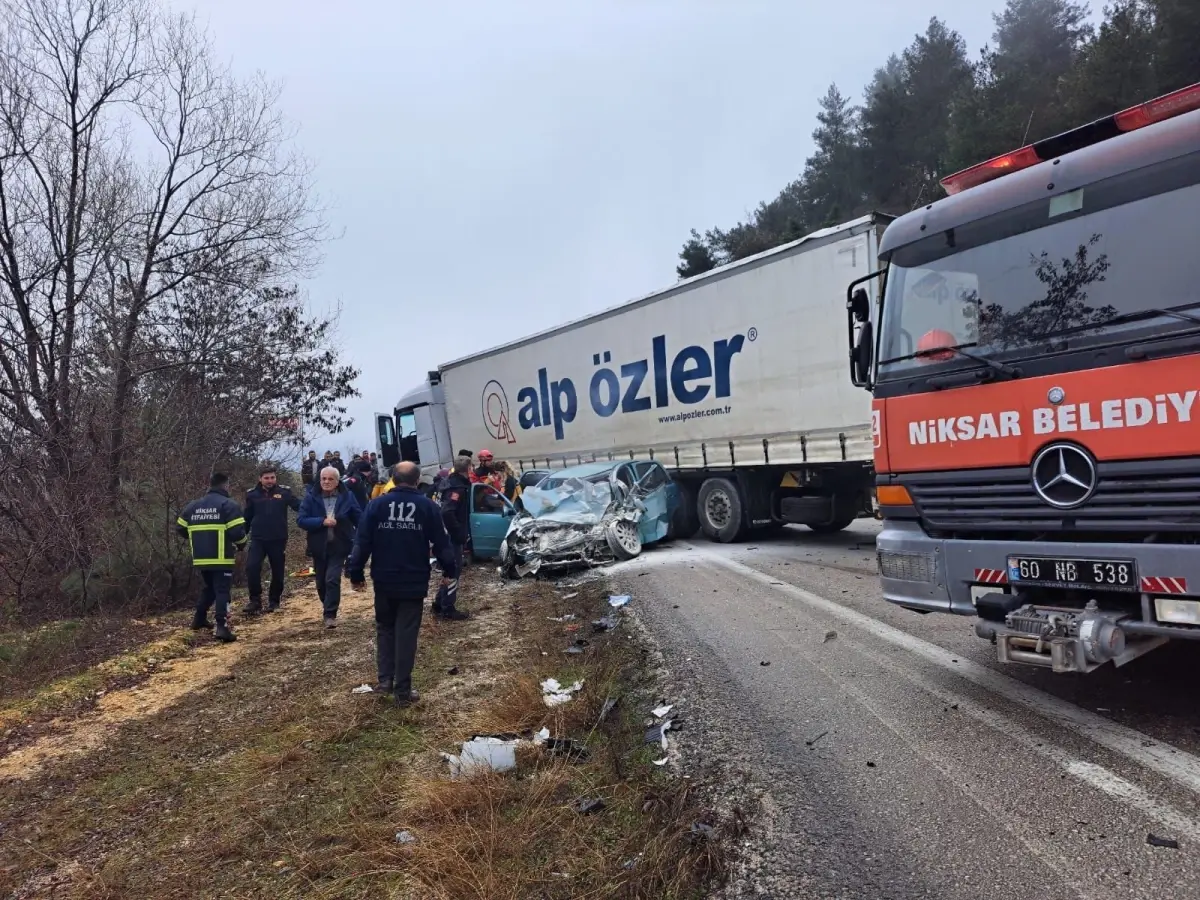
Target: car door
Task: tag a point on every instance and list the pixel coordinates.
(491, 514)
(654, 490)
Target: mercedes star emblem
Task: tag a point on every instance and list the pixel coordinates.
(1064, 475)
(1056, 395)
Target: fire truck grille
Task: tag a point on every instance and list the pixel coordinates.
(1137, 496)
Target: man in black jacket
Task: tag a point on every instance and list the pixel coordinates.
(267, 507)
(216, 530)
(456, 517)
(395, 533)
(310, 469)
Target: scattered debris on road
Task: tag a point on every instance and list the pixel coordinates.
(661, 711)
(618, 600)
(1155, 841)
(829, 636)
(812, 742)
(363, 689)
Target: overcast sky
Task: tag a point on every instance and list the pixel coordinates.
(496, 168)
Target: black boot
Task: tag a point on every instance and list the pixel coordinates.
(223, 634)
(253, 608)
(200, 621)
(403, 701)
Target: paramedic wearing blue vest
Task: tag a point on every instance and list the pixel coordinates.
(395, 533)
(216, 530)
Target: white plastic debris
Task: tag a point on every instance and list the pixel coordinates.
(616, 601)
(488, 753)
(483, 753)
(571, 596)
(554, 694)
(660, 762)
(569, 617)
(363, 689)
(661, 711)
(405, 837)
(542, 736)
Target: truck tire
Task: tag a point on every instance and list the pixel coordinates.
(841, 523)
(721, 512)
(686, 521)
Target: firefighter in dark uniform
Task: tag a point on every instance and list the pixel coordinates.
(216, 530)
(395, 533)
(267, 505)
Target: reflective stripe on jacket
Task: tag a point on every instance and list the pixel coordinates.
(215, 528)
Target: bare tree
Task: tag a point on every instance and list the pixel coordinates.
(153, 220)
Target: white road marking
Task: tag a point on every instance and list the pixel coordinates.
(1170, 762)
(1093, 774)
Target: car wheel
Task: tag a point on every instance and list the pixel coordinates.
(720, 511)
(624, 539)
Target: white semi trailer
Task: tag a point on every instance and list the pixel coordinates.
(733, 380)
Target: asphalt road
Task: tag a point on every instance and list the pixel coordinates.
(899, 759)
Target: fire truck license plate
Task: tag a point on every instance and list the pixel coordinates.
(1097, 574)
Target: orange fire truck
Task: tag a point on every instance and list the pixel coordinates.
(1033, 350)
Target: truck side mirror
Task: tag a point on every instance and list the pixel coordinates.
(860, 356)
(859, 305)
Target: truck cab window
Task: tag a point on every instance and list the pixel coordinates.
(408, 437)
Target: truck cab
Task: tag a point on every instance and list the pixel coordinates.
(417, 430)
(1034, 370)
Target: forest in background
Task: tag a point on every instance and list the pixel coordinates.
(931, 110)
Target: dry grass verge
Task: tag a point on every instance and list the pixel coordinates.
(279, 783)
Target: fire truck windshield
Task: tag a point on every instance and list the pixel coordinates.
(1068, 272)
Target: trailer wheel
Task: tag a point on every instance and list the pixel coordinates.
(721, 513)
(686, 521)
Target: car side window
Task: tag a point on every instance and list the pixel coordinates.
(625, 475)
(655, 477)
(486, 499)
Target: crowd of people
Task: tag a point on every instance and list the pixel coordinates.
(352, 514)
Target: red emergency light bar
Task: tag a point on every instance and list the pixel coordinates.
(1176, 103)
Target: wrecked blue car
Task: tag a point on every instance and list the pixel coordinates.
(590, 514)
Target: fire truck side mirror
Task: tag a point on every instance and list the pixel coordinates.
(860, 356)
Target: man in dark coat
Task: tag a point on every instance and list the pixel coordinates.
(329, 513)
(456, 517)
(267, 506)
(395, 535)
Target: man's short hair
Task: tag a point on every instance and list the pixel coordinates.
(267, 469)
(218, 480)
(406, 473)
(462, 463)
(467, 453)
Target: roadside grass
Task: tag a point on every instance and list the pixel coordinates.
(57, 668)
(279, 783)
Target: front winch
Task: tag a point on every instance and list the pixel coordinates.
(1065, 640)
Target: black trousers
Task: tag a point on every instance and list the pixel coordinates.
(447, 597)
(217, 585)
(328, 569)
(273, 552)
(397, 625)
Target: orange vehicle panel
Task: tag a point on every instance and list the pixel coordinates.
(1140, 410)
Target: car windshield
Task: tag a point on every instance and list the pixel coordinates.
(1066, 268)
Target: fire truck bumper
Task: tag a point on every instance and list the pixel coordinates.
(935, 575)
